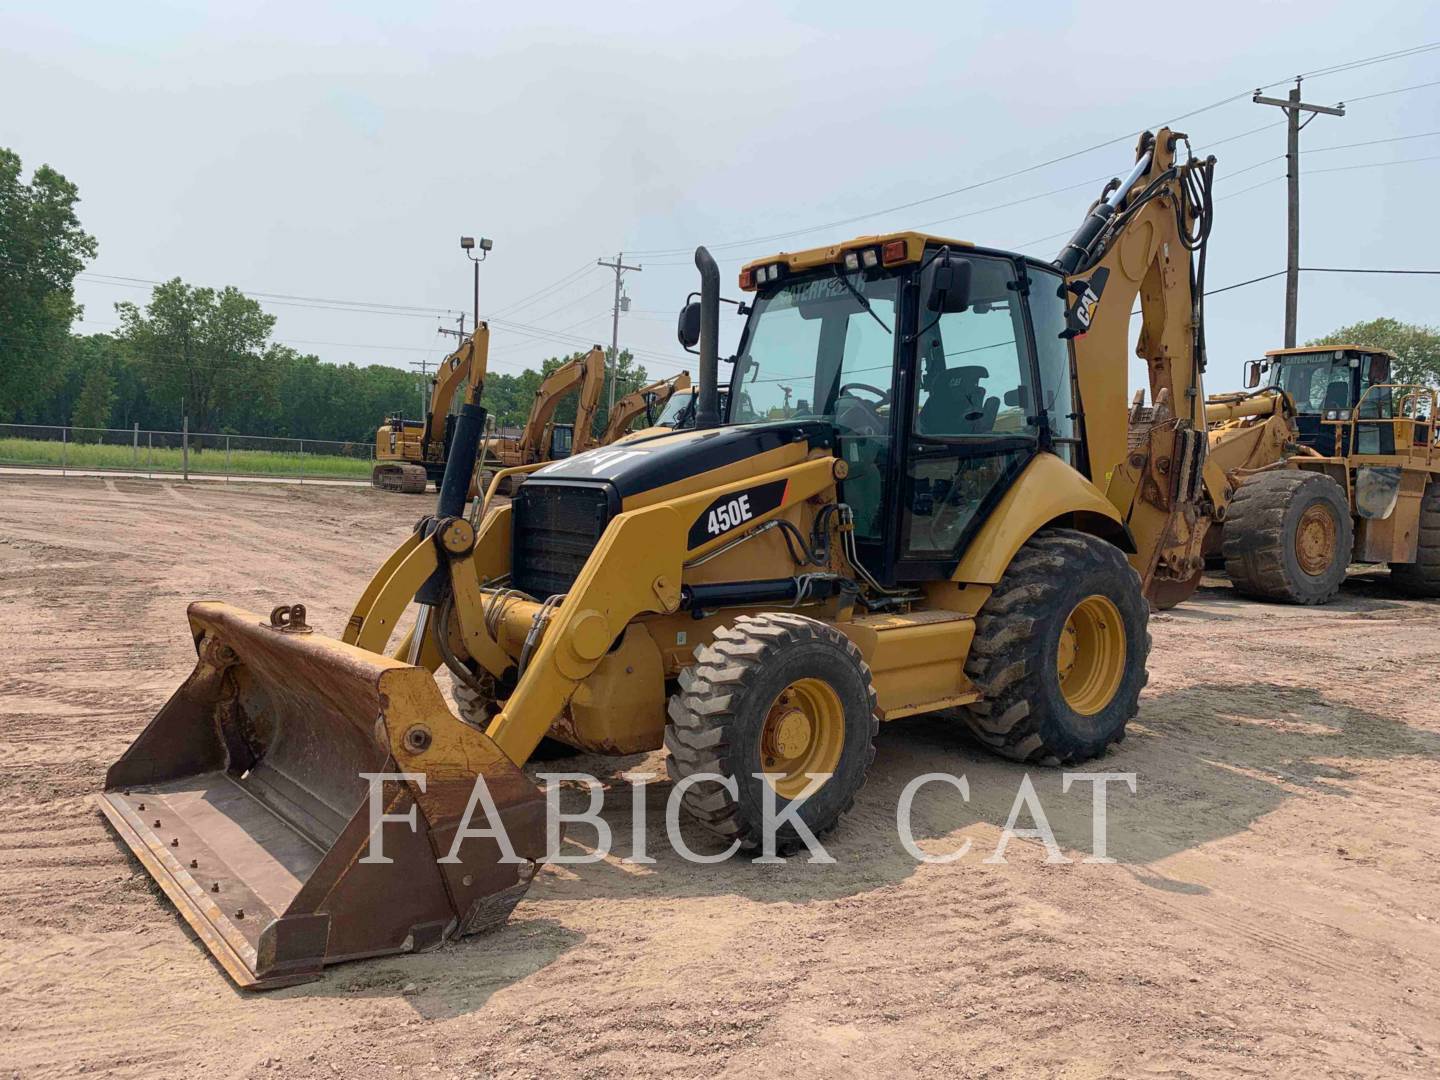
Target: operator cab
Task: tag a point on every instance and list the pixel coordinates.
(562, 441)
(1327, 383)
(942, 368)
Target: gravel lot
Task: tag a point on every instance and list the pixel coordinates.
(1274, 910)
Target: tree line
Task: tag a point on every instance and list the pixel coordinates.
(189, 351)
(208, 355)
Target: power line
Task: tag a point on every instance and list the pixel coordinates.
(374, 305)
(1334, 69)
(1374, 164)
(529, 298)
(1372, 142)
(1387, 93)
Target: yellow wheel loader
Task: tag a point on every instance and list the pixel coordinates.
(411, 453)
(1345, 467)
(542, 438)
(648, 401)
(923, 501)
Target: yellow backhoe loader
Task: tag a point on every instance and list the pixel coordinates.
(411, 453)
(648, 401)
(1344, 466)
(923, 501)
(542, 438)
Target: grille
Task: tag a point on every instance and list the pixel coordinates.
(555, 527)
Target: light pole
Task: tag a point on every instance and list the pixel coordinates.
(468, 245)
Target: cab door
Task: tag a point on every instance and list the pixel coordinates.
(969, 418)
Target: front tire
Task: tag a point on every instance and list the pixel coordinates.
(1060, 651)
(1422, 577)
(1288, 537)
(780, 694)
(477, 709)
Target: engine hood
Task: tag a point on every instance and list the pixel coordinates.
(643, 464)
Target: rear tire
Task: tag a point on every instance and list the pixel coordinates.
(1288, 537)
(1060, 651)
(1422, 577)
(776, 693)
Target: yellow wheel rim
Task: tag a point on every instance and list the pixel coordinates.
(1091, 657)
(804, 733)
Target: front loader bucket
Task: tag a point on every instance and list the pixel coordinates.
(246, 801)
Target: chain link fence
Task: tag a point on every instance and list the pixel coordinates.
(186, 454)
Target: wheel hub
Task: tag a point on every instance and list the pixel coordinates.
(803, 734)
(1090, 655)
(1315, 540)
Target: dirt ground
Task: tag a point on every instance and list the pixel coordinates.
(1274, 911)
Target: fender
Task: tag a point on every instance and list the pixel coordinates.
(1047, 492)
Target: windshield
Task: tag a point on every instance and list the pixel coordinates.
(679, 411)
(811, 338)
(1315, 383)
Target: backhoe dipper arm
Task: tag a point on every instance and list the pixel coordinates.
(547, 398)
(466, 364)
(1137, 241)
(590, 390)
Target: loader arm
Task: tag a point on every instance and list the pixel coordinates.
(1136, 243)
(1249, 432)
(653, 397)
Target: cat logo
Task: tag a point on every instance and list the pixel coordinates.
(1080, 313)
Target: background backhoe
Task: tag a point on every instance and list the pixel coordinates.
(648, 401)
(923, 501)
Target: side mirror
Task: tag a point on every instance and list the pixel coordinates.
(945, 284)
(1252, 374)
(688, 329)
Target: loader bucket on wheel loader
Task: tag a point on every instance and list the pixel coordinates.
(246, 800)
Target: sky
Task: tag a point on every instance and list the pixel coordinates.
(329, 154)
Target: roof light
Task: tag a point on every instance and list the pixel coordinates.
(747, 278)
(870, 257)
(852, 260)
(893, 252)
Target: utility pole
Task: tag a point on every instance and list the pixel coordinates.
(1293, 107)
(619, 267)
(459, 334)
(424, 366)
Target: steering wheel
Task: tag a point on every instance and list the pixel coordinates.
(857, 417)
(883, 395)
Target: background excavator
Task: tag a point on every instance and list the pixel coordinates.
(923, 501)
(542, 438)
(648, 401)
(411, 453)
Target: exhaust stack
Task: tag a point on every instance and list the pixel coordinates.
(707, 404)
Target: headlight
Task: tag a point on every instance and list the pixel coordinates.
(852, 260)
(870, 257)
(1330, 414)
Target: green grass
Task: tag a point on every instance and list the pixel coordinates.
(81, 455)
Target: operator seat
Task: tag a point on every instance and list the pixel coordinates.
(957, 404)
